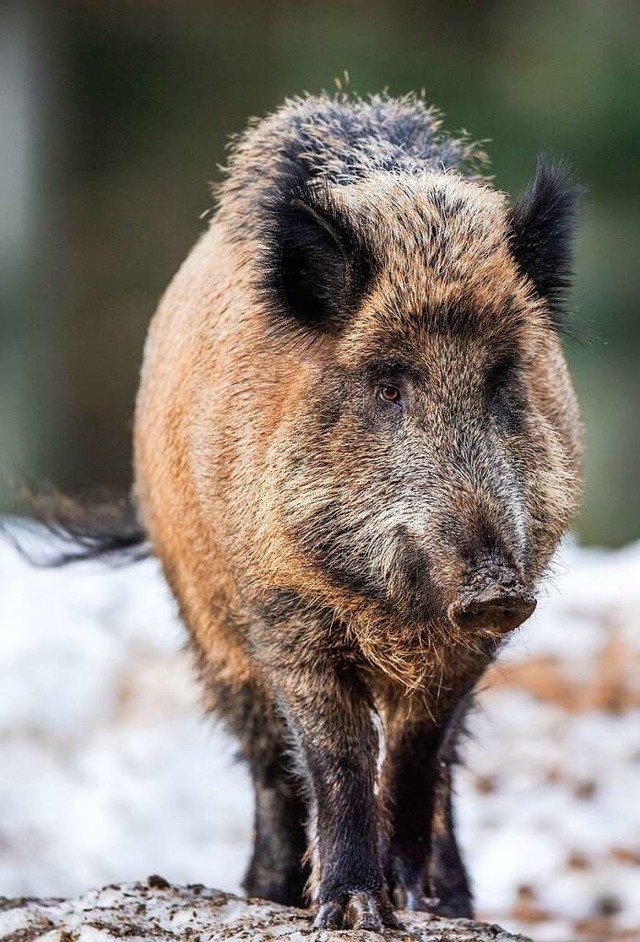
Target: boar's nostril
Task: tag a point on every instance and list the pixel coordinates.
(499, 607)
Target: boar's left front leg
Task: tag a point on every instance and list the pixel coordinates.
(409, 782)
(417, 791)
(330, 717)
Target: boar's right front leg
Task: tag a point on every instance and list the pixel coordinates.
(330, 717)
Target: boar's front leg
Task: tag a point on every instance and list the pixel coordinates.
(417, 792)
(409, 784)
(330, 717)
(448, 876)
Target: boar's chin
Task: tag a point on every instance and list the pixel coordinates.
(413, 653)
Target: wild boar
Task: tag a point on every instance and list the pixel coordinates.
(357, 446)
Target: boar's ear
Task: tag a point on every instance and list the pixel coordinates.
(320, 271)
(541, 226)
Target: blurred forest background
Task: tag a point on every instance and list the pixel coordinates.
(114, 117)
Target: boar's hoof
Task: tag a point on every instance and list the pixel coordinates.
(329, 916)
(455, 907)
(357, 910)
(414, 900)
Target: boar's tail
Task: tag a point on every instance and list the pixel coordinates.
(78, 531)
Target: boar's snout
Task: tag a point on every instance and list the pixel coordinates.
(497, 600)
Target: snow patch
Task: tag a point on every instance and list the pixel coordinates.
(110, 770)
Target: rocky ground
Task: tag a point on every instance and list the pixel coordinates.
(109, 771)
(156, 910)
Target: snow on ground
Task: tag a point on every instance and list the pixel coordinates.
(110, 772)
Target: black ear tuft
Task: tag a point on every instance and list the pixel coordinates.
(315, 266)
(542, 223)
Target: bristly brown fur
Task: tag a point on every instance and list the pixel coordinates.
(355, 426)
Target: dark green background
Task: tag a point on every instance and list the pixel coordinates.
(130, 105)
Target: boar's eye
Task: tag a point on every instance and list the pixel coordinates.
(389, 394)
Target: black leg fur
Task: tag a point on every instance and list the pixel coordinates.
(330, 716)
(448, 879)
(276, 871)
(448, 882)
(423, 865)
(409, 784)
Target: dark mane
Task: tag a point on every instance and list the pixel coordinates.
(336, 140)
